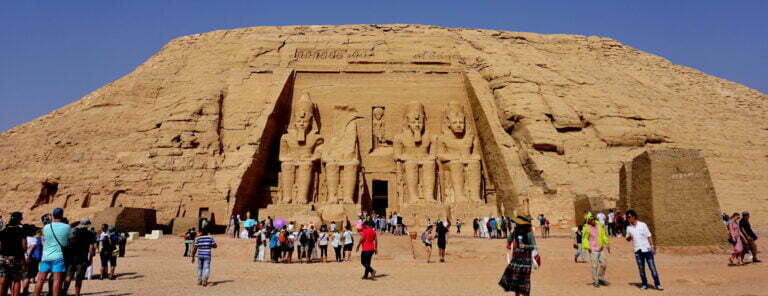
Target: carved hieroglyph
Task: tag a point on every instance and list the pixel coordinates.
(415, 161)
(299, 153)
(341, 157)
(457, 150)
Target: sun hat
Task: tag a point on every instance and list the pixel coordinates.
(84, 223)
(520, 220)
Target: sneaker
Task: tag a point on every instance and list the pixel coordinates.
(604, 283)
(596, 285)
(756, 261)
(644, 287)
(659, 287)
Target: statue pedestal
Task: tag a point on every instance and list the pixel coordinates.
(301, 214)
(339, 213)
(467, 211)
(415, 215)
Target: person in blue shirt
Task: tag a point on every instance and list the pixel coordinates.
(202, 247)
(56, 235)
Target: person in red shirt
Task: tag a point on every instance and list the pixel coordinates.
(369, 242)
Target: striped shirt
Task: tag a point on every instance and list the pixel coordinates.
(204, 244)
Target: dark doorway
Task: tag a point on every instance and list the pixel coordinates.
(380, 198)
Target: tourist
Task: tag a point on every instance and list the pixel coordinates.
(189, 238)
(542, 219)
(82, 248)
(369, 243)
(621, 224)
(644, 248)
(108, 241)
(202, 247)
(336, 244)
(2, 222)
(522, 243)
(301, 248)
(725, 218)
(595, 241)
(475, 228)
(611, 223)
(426, 239)
(458, 226)
(33, 254)
(13, 245)
(236, 226)
(349, 242)
(311, 243)
(751, 237)
(442, 233)
(290, 242)
(322, 243)
(261, 245)
(55, 236)
(546, 228)
(204, 225)
(400, 226)
(577, 245)
(736, 238)
(332, 227)
(274, 246)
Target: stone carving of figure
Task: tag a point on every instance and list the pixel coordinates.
(413, 154)
(341, 157)
(298, 153)
(379, 130)
(458, 151)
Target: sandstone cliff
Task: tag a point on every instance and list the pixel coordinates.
(181, 131)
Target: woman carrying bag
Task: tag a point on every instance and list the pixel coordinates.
(523, 258)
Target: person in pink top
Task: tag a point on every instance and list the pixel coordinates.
(736, 239)
(369, 243)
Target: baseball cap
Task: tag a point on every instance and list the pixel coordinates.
(58, 212)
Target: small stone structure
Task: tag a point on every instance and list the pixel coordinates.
(127, 219)
(180, 225)
(625, 186)
(672, 192)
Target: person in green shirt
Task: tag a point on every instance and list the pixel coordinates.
(595, 241)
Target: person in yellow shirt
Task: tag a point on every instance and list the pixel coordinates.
(595, 241)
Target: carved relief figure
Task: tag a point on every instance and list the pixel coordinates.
(413, 154)
(379, 129)
(299, 153)
(458, 152)
(342, 157)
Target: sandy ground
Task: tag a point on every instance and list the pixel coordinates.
(156, 267)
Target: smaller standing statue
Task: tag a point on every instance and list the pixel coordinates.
(379, 129)
(298, 153)
(341, 157)
(458, 152)
(413, 154)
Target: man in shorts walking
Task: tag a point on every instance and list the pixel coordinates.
(83, 247)
(56, 235)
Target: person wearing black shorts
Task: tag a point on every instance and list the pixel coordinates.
(442, 232)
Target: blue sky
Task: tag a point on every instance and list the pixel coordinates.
(54, 52)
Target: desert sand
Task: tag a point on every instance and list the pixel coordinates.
(473, 267)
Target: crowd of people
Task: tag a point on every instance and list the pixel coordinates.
(59, 253)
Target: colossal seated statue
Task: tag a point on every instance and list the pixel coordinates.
(299, 153)
(457, 150)
(415, 162)
(341, 157)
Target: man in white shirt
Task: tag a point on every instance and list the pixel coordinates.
(600, 217)
(611, 223)
(640, 236)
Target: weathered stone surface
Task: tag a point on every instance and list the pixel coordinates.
(126, 219)
(194, 130)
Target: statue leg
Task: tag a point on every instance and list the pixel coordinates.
(332, 182)
(303, 181)
(473, 181)
(412, 181)
(288, 173)
(428, 180)
(457, 181)
(348, 183)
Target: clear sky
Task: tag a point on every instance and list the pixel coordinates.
(54, 52)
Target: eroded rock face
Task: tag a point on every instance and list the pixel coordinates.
(193, 130)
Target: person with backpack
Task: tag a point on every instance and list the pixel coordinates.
(33, 254)
(13, 244)
(83, 246)
(302, 247)
(426, 239)
(56, 236)
(108, 241)
(311, 241)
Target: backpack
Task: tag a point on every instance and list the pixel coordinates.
(424, 237)
(282, 238)
(37, 251)
(303, 237)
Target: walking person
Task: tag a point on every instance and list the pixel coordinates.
(644, 247)
(83, 248)
(751, 237)
(34, 254)
(442, 240)
(189, 238)
(202, 248)
(274, 246)
(349, 242)
(475, 228)
(311, 242)
(736, 238)
(595, 241)
(108, 241)
(336, 244)
(236, 226)
(369, 243)
(55, 237)
(522, 243)
(458, 226)
(426, 239)
(546, 228)
(577, 245)
(13, 263)
(611, 223)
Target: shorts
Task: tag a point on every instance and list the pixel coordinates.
(77, 271)
(32, 266)
(441, 245)
(348, 247)
(10, 268)
(53, 266)
(427, 244)
(107, 258)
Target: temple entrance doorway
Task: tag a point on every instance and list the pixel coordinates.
(380, 197)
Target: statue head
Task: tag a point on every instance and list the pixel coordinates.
(455, 119)
(303, 115)
(415, 117)
(378, 112)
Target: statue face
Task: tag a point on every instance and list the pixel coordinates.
(456, 123)
(415, 122)
(302, 120)
(378, 113)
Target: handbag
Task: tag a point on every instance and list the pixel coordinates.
(536, 259)
(67, 251)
